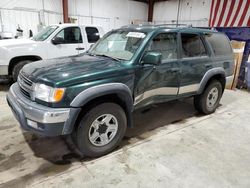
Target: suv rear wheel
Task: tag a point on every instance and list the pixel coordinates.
(101, 130)
(208, 101)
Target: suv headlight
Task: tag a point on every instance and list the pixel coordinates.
(47, 93)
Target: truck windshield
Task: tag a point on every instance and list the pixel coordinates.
(44, 33)
(119, 44)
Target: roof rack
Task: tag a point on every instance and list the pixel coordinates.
(136, 25)
(174, 25)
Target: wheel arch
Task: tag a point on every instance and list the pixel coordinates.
(17, 59)
(114, 92)
(213, 74)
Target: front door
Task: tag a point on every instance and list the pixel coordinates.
(159, 83)
(72, 38)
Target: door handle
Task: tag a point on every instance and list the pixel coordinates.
(80, 48)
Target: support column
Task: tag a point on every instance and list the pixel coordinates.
(150, 10)
(65, 11)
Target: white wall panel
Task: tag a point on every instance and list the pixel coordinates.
(108, 13)
(195, 12)
(26, 14)
(25, 19)
(53, 18)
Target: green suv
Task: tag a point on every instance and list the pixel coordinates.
(92, 96)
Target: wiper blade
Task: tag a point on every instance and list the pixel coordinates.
(103, 55)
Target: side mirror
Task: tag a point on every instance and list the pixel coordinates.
(57, 40)
(153, 58)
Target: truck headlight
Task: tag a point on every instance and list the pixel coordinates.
(47, 93)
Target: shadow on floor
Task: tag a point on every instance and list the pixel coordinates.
(59, 152)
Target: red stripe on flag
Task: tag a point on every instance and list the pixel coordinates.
(211, 12)
(244, 13)
(215, 12)
(236, 13)
(222, 13)
(229, 13)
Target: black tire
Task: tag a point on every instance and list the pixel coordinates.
(86, 147)
(200, 101)
(16, 69)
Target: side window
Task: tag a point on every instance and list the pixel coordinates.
(166, 44)
(70, 35)
(92, 34)
(192, 46)
(219, 43)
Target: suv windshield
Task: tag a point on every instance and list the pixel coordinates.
(45, 33)
(119, 44)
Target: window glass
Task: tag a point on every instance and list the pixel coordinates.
(192, 46)
(219, 43)
(70, 35)
(166, 44)
(119, 44)
(45, 33)
(92, 34)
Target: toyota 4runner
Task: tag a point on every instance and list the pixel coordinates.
(92, 96)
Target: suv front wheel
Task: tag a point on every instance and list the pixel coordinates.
(101, 130)
(208, 101)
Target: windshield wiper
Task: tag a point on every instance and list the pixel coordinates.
(103, 55)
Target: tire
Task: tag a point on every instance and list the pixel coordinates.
(209, 100)
(17, 68)
(92, 136)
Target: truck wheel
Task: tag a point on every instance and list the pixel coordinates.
(101, 130)
(17, 68)
(208, 101)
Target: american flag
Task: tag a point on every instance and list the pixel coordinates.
(229, 13)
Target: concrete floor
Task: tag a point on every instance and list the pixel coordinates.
(170, 146)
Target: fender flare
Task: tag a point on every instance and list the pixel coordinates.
(208, 75)
(122, 91)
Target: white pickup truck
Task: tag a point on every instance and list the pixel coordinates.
(51, 42)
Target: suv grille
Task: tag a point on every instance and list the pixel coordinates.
(26, 86)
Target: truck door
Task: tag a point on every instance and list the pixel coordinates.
(92, 35)
(159, 83)
(70, 38)
(194, 63)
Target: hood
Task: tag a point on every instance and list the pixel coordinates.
(15, 42)
(71, 70)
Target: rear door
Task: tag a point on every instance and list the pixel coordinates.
(159, 83)
(195, 61)
(92, 35)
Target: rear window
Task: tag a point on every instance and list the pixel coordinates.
(219, 43)
(92, 34)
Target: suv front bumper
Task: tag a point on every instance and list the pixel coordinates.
(35, 117)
